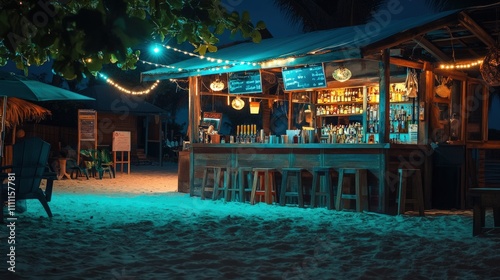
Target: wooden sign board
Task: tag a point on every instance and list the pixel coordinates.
(304, 77)
(245, 82)
(121, 141)
(87, 120)
(87, 130)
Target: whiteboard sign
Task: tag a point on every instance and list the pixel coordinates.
(121, 141)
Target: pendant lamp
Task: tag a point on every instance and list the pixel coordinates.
(490, 68)
(238, 103)
(254, 107)
(341, 74)
(217, 85)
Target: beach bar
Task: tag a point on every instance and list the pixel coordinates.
(394, 100)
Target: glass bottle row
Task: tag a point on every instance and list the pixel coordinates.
(343, 109)
(340, 95)
(351, 133)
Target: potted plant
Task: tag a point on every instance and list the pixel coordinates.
(92, 161)
(97, 161)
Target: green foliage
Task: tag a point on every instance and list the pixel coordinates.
(82, 36)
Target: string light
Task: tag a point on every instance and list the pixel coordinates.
(212, 59)
(277, 62)
(133, 92)
(461, 65)
(228, 63)
(161, 65)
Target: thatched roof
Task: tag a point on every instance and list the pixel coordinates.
(19, 110)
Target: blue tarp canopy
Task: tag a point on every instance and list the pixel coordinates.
(338, 44)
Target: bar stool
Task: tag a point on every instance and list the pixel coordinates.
(322, 186)
(241, 184)
(360, 189)
(219, 175)
(291, 185)
(264, 179)
(414, 177)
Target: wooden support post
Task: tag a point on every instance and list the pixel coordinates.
(384, 88)
(194, 119)
(121, 161)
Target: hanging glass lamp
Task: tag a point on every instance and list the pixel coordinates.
(238, 103)
(341, 74)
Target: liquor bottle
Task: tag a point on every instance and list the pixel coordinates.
(375, 112)
(402, 126)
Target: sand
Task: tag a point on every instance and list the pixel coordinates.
(138, 227)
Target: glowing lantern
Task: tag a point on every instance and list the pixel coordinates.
(238, 103)
(341, 74)
(217, 85)
(254, 108)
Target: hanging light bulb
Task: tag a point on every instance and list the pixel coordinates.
(341, 74)
(238, 103)
(217, 85)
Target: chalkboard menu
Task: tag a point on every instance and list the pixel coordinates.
(245, 82)
(304, 77)
(87, 130)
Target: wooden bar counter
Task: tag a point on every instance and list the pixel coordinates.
(367, 156)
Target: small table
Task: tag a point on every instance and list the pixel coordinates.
(483, 198)
(62, 169)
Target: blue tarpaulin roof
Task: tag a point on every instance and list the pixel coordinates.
(314, 47)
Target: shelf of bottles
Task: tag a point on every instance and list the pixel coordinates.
(343, 134)
(403, 125)
(340, 102)
(403, 115)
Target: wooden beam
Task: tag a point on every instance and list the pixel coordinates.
(476, 29)
(457, 75)
(408, 35)
(256, 96)
(406, 63)
(431, 48)
(384, 90)
(470, 50)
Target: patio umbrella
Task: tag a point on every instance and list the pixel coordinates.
(12, 85)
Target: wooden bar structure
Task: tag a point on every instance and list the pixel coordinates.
(449, 115)
(306, 156)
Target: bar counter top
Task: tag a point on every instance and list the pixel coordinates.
(294, 146)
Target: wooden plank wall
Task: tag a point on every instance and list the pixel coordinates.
(488, 174)
(60, 137)
(109, 122)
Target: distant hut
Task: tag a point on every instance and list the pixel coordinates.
(117, 111)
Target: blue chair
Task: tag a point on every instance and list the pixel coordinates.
(29, 167)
